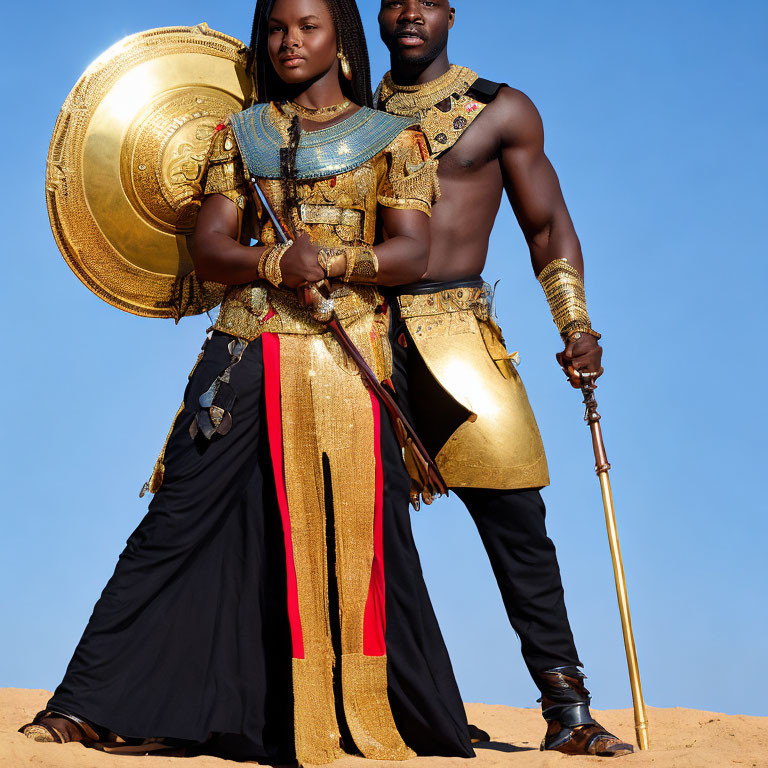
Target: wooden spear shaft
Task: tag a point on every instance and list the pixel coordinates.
(592, 417)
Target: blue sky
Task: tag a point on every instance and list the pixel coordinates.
(655, 114)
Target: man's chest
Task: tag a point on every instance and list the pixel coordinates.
(474, 156)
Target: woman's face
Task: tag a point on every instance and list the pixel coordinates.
(302, 40)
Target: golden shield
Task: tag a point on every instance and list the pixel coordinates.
(126, 160)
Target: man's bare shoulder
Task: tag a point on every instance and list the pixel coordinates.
(515, 116)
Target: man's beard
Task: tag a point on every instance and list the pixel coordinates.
(430, 51)
(417, 61)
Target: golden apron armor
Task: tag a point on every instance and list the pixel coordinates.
(499, 444)
(126, 160)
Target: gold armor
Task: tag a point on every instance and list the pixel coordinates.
(498, 445)
(125, 162)
(443, 106)
(336, 212)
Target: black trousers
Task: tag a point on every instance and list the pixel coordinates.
(190, 638)
(512, 527)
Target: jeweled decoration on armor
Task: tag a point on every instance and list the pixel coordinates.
(443, 106)
(338, 212)
(564, 289)
(325, 152)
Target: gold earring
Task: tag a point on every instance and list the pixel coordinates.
(346, 67)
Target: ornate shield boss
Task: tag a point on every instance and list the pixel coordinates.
(126, 160)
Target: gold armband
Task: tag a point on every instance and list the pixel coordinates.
(564, 289)
(327, 258)
(262, 263)
(269, 263)
(362, 265)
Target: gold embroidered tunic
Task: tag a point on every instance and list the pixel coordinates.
(335, 211)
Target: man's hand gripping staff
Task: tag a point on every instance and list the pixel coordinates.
(426, 480)
(564, 289)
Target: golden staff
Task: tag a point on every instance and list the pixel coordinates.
(602, 467)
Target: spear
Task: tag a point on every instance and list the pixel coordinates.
(414, 452)
(602, 467)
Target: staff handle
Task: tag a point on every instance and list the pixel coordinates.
(602, 467)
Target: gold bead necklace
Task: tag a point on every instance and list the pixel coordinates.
(320, 114)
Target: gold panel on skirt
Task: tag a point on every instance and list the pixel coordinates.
(330, 415)
(499, 446)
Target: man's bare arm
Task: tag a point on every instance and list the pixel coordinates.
(531, 183)
(534, 191)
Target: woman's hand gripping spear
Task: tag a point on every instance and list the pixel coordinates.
(420, 465)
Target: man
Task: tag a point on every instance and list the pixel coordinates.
(488, 139)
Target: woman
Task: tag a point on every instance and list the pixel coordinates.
(271, 602)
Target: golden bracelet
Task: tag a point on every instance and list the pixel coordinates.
(363, 267)
(351, 255)
(272, 271)
(564, 289)
(262, 264)
(327, 258)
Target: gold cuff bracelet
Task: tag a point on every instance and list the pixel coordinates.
(564, 289)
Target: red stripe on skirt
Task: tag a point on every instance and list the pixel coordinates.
(375, 620)
(271, 349)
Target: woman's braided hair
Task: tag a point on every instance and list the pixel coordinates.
(269, 87)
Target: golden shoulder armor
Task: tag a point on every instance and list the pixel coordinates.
(126, 160)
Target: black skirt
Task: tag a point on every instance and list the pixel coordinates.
(190, 639)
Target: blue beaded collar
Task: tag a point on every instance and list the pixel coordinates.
(326, 152)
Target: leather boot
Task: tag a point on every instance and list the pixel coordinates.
(571, 729)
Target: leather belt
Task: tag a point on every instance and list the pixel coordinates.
(434, 286)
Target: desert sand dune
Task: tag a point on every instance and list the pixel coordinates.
(681, 738)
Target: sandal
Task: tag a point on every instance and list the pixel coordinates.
(43, 732)
(46, 733)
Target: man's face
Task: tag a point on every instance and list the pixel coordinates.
(415, 31)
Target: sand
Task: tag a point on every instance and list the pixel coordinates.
(681, 738)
